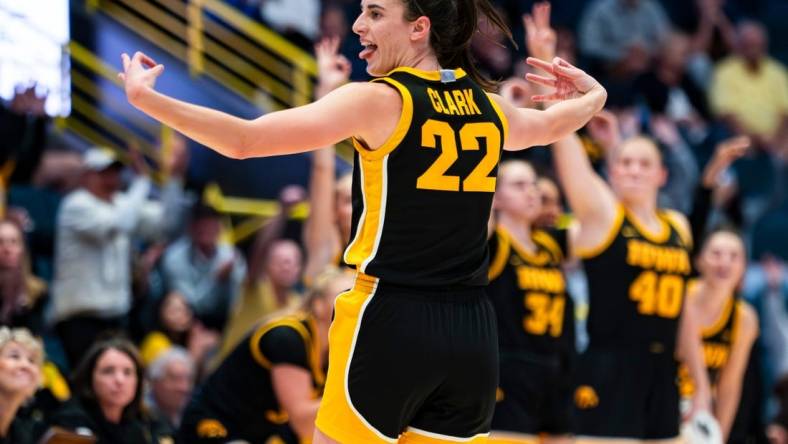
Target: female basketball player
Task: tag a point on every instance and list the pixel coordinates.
(535, 316)
(268, 387)
(413, 346)
(637, 258)
(327, 228)
(729, 325)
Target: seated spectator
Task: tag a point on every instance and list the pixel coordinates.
(107, 401)
(749, 91)
(208, 273)
(21, 357)
(96, 225)
(171, 378)
(21, 293)
(177, 327)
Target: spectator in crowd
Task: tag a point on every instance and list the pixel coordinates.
(749, 91)
(23, 123)
(57, 175)
(21, 293)
(108, 398)
(778, 429)
(275, 267)
(21, 357)
(96, 225)
(490, 51)
(766, 287)
(171, 378)
(621, 36)
(669, 89)
(207, 272)
(177, 326)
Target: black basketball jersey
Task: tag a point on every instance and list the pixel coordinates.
(422, 200)
(718, 341)
(528, 291)
(637, 282)
(241, 390)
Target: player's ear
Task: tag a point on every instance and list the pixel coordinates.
(420, 29)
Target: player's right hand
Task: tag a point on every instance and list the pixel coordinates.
(139, 73)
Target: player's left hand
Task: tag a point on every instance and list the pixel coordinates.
(567, 81)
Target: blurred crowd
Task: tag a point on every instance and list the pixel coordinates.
(123, 274)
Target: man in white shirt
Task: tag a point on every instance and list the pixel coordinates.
(91, 291)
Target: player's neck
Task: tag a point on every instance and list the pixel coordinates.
(520, 230)
(425, 61)
(645, 211)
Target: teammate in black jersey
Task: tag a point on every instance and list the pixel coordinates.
(413, 347)
(729, 325)
(535, 315)
(267, 390)
(636, 257)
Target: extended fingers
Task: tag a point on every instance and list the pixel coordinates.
(541, 64)
(541, 80)
(124, 58)
(541, 13)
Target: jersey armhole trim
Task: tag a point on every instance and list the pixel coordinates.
(719, 324)
(685, 236)
(501, 255)
(258, 335)
(403, 125)
(588, 253)
(502, 117)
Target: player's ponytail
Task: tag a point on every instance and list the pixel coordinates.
(453, 25)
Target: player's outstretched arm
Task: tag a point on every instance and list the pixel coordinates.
(578, 95)
(327, 121)
(732, 375)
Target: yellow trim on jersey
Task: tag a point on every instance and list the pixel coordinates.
(587, 253)
(546, 240)
(403, 125)
(502, 117)
(416, 436)
(656, 238)
(372, 174)
(497, 437)
(735, 329)
(673, 219)
(435, 76)
(291, 322)
(337, 417)
(498, 263)
(715, 328)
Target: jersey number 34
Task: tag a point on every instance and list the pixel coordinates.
(479, 180)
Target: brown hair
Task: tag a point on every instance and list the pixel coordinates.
(25, 288)
(82, 380)
(453, 25)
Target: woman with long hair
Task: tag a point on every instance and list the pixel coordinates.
(21, 293)
(414, 344)
(729, 325)
(108, 398)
